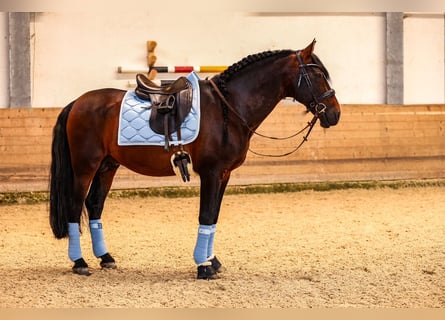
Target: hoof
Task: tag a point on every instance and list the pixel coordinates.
(81, 268)
(217, 265)
(107, 262)
(207, 273)
(108, 265)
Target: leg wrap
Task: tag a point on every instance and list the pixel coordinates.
(97, 238)
(211, 241)
(202, 243)
(74, 250)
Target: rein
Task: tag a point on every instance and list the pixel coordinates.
(318, 109)
(309, 125)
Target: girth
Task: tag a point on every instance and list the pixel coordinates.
(170, 104)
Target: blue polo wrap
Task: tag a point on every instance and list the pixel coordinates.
(211, 241)
(97, 238)
(202, 244)
(74, 250)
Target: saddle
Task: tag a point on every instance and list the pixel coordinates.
(170, 104)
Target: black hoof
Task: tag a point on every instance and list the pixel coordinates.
(81, 267)
(217, 265)
(107, 261)
(207, 273)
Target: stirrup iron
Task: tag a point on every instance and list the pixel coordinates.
(180, 161)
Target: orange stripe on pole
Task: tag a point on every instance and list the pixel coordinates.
(212, 68)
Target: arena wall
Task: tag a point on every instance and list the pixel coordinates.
(371, 142)
(73, 52)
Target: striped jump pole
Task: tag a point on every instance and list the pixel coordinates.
(174, 69)
(186, 69)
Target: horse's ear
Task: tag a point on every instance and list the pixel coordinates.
(309, 49)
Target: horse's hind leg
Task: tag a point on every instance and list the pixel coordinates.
(95, 203)
(81, 184)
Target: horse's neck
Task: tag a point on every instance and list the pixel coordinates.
(256, 95)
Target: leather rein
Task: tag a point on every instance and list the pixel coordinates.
(318, 109)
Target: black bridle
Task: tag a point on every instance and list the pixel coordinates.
(316, 106)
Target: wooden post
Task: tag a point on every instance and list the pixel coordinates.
(151, 59)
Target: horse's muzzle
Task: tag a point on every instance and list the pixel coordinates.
(329, 118)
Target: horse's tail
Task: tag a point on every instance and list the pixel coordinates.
(61, 177)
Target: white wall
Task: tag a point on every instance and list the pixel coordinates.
(424, 59)
(76, 52)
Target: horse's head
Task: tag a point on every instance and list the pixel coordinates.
(311, 87)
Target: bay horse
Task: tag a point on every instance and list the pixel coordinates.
(86, 156)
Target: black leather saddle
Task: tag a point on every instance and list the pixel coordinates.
(170, 104)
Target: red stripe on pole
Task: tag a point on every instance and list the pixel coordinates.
(184, 69)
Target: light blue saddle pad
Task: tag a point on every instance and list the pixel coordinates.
(134, 129)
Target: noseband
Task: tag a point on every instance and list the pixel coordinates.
(316, 106)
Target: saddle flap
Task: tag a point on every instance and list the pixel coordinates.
(169, 111)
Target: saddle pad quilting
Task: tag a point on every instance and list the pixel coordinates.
(134, 129)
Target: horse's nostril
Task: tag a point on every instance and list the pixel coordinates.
(331, 118)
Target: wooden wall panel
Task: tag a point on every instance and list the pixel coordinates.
(371, 142)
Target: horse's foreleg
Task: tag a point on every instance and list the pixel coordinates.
(216, 264)
(212, 191)
(95, 203)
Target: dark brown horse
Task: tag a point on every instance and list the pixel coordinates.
(85, 153)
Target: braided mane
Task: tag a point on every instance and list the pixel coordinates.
(225, 76)
(222, 79)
